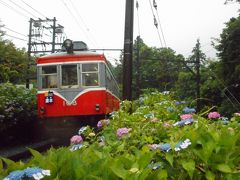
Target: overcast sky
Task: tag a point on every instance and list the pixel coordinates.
(100, 23)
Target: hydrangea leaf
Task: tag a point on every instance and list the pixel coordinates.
(209, 175)
(162, 174)
(189, 166)
(224, 168)
(169, 158)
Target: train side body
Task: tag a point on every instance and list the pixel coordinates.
(78, 84)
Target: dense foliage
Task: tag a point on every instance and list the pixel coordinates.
(156, 141)
(17, 110)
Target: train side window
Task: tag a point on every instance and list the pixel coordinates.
(49, 77)
(90, 74)
(69, 76)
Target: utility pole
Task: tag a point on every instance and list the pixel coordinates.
(29, 52)
(128, 49)
(198, 78)
(54, 35)
(138, 68)
(37, 39)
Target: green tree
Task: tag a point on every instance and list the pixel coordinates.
(229, 54)
(13, 63)
(159, 67)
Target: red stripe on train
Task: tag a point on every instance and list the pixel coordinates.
(85, 104)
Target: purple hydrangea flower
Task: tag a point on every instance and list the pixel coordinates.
(122, 131)
(102, 123)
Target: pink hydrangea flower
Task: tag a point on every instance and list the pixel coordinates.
(122, 131)
(186, 116)
(76, 139)
(213, 115)
(166, 125)
(237, 114)
(153, 146)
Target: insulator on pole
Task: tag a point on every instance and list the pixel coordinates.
(154, 4)
(155, 22)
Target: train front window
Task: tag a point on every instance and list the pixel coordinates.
(69, 76)
(90, 74)
(49, 77)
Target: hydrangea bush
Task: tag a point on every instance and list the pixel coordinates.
(147, 144)
(17, 110)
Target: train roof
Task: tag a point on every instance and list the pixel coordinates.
(75, 56)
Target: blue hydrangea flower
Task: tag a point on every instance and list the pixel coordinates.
(149, 116)
(187, 110)
(224, 120)
(170, 109)
(76, 147)
(165, 147)
(182, 145)
(82, 129)
(180, 102)
(154, 166)
(29, 173)
(183, 122)
(15, 175)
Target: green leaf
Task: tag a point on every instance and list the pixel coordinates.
(169, 158)
(118, 169)
(209, 175)
(224, 168)
(162, 174)
(189, 166)
(9, 162)
(36, 154)
(1, 166)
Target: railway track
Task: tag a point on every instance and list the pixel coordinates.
(20, 152)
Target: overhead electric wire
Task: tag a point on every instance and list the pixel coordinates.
(33, 9)
(155, 6)
(15, 37)
(13, 9)
(20, 7)
(137, 6)
(87, 28)
(15, 31)
(155, 23)
(75, 19)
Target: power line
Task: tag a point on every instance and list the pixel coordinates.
(155, 6)
(13, 9)
(14, 31)
(15, 37)
(75, 19)
(137, 6)
(20, 7)
(156, 23)
(87, 28)
(33, 9)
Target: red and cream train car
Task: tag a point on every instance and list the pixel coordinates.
(75, 83)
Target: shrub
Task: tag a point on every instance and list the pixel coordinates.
(17, 109)
(149, 149)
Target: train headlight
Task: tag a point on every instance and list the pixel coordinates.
(68, 46)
